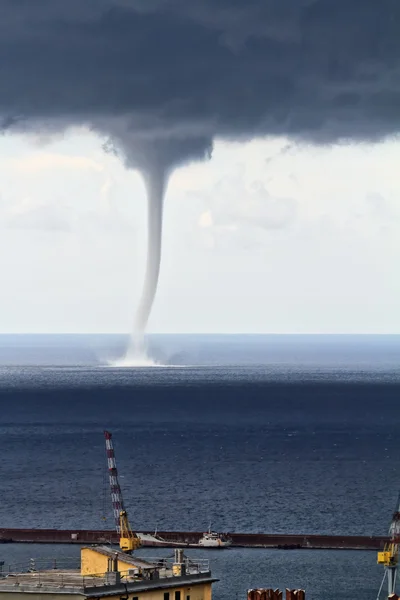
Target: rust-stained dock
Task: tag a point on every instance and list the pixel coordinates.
(187, 538)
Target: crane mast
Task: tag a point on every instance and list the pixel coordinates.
(128, 540)
(390, 556)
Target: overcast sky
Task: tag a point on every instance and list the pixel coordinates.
(265, 237)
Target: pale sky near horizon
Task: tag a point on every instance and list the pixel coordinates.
(267, 237)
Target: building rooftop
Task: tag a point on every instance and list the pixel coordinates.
(135, 561)
(64, 576)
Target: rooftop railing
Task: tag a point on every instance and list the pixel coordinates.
(41, 564)
(65, 572)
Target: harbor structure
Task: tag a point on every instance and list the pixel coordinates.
(191, 539)
(104, 573)
(129, 540)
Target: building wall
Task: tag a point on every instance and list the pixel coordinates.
(194, 591)
(95, 563)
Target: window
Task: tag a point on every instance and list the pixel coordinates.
(187, 597)
(178, 595)
(135, 598)
(166, 595)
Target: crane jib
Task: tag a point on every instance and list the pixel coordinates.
(129, 541)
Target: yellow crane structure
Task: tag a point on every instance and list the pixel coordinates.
(389, 556)
(128, 540)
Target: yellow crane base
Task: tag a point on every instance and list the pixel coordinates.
(384, 558)
(389, 556)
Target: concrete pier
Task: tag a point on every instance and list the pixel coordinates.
(188, 538)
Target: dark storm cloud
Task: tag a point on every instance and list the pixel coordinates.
(194, 69)
(162, 78)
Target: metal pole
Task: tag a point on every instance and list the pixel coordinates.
(392, 571)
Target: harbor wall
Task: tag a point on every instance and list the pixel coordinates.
(187, 538)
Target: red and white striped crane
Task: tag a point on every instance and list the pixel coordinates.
(128, 540)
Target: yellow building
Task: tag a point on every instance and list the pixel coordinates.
(112, 575)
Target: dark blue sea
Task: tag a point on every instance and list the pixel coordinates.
(296, 434)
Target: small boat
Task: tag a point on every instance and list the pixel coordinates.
(155, 540)
(211, 539)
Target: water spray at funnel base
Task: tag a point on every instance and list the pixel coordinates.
(155, 182)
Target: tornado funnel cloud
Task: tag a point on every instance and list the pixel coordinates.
(155, 186)
(155, 162)
(155, 183)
